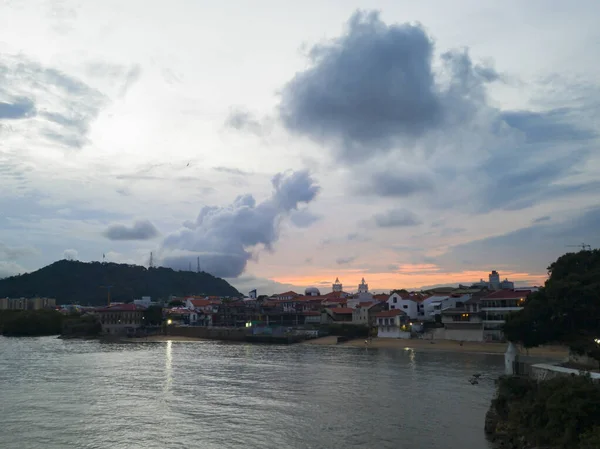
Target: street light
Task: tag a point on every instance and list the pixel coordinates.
(169, 321)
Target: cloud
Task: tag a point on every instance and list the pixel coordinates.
(542, 219)
(407, 125)
(243, 120)
(15, 253)
(59, 107)
(345, 260)
(549, 126)
(70, 254)
(537, 245)
(141, 230)
(19, 108)
(365, 89)
(8, 269)
(231, 171)
(224, 237)
(396, 218)
(303, 218)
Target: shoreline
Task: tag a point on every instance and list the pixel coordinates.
(551, 352)
(554, 352)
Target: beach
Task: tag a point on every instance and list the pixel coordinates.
(553, 352)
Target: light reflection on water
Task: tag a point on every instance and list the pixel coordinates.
(86, 394)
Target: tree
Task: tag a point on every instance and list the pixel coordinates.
(153, 316)
(566, 310)
(176, 303)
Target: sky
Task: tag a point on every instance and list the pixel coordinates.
(283, 144)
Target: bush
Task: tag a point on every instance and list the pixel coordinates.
(551, 413)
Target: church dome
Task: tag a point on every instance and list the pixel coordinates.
(312, 291)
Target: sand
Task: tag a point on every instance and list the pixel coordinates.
(554, 352)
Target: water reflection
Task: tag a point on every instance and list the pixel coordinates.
(211, 395)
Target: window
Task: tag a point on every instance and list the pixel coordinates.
(392, 307)
(405, 306)
(395, 300)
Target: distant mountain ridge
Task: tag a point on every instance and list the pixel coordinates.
(73, 282)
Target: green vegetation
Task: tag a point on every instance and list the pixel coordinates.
(76, 325)
(153, 316)
(561, 413)
(73, 282)
(566, 310)
(30, 323)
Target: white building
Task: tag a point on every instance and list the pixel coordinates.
(337, 285)
(494, 282)
(392, 324)
(408, 306)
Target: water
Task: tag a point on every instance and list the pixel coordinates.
(87, 394)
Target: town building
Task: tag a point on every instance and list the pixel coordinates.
(337, 286)
(494, 282)
(392, 324)
(496, 306)
(36, 303)
(464, 322)
(364, 313)
(121, 319)
(409, 306)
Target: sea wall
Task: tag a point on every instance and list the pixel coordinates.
(210, 333)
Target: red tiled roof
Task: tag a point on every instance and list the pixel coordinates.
(290, 293)
(389, 313)
(311, 313)
(366, 304)
(342, 310)
(201, 302)
(507, 294)
(121, 308)
(336, 300)
(336, 294)
(381, 297)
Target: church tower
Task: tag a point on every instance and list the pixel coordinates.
(363, 287)
(337, 286)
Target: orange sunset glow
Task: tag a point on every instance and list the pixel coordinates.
(410, 276)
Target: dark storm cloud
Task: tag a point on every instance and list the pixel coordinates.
(373, 97)
(224, 237)
(141, 230)
(395, 182)
(365, 89)
(396, 218)
(18, 108)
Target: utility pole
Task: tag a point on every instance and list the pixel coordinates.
(107, 287)
(151, 265)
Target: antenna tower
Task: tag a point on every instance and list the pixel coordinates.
(151, 265)
(198, 269)
(583, 246)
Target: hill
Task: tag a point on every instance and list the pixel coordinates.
(73, 282)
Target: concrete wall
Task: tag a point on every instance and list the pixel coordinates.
(210, 333)
(393, 333)
(464, 334)
(545, 372)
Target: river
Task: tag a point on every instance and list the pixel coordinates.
(89, 394)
